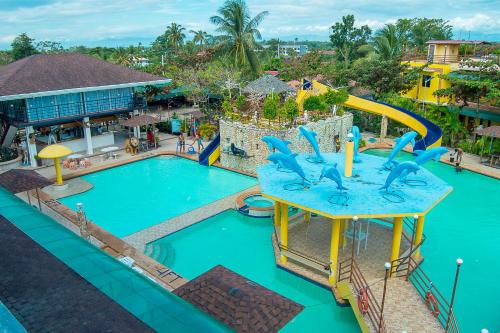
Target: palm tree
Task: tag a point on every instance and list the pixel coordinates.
(175, 35)
(239, 32)
(200, 37)
(387, 42)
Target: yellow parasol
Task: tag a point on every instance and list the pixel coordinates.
(55, 152)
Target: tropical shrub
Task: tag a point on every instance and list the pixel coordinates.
(270, 108)
(207, 131)
(7, 154)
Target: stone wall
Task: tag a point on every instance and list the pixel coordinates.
(248, 137)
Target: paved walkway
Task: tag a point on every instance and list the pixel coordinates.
(140, 239)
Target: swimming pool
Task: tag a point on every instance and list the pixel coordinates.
(160, 309)
(465, 225)
(243, 244)
(138, 195)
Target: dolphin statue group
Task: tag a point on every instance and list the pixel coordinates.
(311, 137)
(400, 144)
(357, 136)
(273, 143)
(287, 161)
(423, 156)
(401, 169)
(333, 174)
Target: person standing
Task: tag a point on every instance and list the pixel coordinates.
(181, 143)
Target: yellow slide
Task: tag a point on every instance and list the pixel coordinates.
(431, 133)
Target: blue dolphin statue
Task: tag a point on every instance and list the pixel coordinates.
(357, 136)
(311, 137)
(287, 161)
(423, 156)
(400, 144)
(273, 142)
(333, 174)
(401, 169)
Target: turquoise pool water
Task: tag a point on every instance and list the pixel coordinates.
(160, 309)
(135, 196)
(466, 224)
(243, 244)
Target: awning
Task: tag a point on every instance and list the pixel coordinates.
(140, 120)
(492, 131)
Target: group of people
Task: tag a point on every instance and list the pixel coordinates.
(196, 139)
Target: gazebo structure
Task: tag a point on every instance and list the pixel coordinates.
(56, 152)
(268, 85)
(340, 236)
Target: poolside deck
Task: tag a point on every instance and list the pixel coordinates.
(404, 310)
(45, 295)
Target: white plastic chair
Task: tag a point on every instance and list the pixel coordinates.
(362, 233)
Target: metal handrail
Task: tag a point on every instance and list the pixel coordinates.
(426, 288)
(358, 282)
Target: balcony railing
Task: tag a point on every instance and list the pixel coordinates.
(446, 59)
(74, 109)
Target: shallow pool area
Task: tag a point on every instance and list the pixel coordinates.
(135, 196)
(464, 225)
(243, 244)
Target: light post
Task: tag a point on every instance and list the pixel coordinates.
(459, 263)
(82, 219)
(387, 267)
(354, 223)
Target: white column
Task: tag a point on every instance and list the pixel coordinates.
(137, 129)
(383, 127)
(31, 146)
(88, 135)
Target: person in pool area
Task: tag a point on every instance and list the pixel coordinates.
(459, 152)
(458, 168)
(150, 137)
(197, 139)
(181, 143)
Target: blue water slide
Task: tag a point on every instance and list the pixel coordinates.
(205, 154)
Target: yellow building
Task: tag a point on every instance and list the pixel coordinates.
(443, 57)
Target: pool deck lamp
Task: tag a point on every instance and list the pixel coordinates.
(349, 155)
(56, 152)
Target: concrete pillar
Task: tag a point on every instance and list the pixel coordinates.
(349, 155)
(31, 146)
(137, 129)
(419, 231)
(334, 251)
(397, 231)
(383, 127)
(88, 135)
(284, 230)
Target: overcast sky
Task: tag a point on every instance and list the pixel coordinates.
(119, 22)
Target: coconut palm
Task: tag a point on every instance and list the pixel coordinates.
(175, 35)
(239, 32)
(200, 37)
(386, 43)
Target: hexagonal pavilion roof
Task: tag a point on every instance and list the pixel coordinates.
(363, 198)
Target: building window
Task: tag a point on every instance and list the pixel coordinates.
(426, 81)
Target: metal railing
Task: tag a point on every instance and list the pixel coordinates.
(349, 270)
(437, 303)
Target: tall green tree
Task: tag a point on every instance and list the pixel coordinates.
(200, 37)
(175, 35)
(387, 42)
(239, 33)
(22, 46)
(346, 38)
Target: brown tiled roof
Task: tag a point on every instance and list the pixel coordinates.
(19, 180)
(140, 120)
(239, 302)
(49, 72)
(492, 131)
(45, 295)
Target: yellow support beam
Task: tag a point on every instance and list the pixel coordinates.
(277, 213)
(349, 155)
(418, 234)
(57, 165)
(342, 230)
(284, 230)
(397, 232)
(334, 251)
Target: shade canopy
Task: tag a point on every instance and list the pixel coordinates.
(19, 180)
(140, 120)
(54, 151)
(267, 85)
(493, 131)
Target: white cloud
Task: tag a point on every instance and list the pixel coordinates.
(476, 22)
